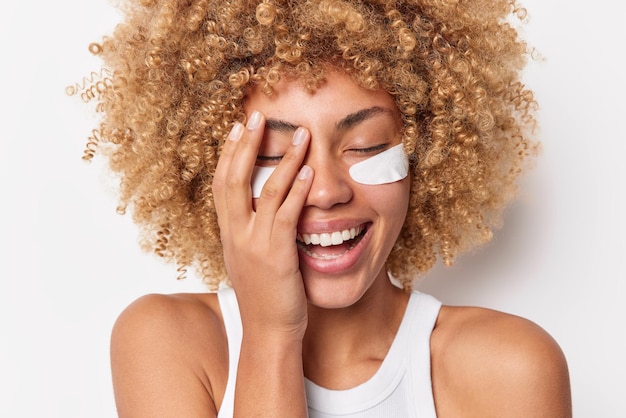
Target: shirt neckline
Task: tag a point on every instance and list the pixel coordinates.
(374, 390)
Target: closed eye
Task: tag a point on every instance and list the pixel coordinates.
(269, 158)
(370, 150)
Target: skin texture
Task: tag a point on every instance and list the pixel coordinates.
(332, 322)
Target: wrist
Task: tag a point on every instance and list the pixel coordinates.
(273, 336)
(275, 328)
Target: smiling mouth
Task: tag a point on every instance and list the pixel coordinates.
(330, 245)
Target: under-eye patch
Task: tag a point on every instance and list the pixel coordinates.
(259, 178)
(387, 167)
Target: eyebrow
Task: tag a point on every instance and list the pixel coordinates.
(347, 122)
(357, 117)
(280, 125)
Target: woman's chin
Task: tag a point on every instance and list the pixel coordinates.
(333, 291)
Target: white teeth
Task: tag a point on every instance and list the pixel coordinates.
(327, 239)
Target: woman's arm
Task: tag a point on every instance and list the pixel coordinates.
(261, 257)
(167, 354)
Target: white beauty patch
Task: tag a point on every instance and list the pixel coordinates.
(259, 178)
(387, 167)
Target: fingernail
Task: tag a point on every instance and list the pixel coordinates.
(235, 132)
(255, 120)
(299, 136)
(305, 172)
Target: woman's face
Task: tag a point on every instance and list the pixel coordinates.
(347, 228)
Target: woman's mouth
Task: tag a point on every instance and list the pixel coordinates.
(330, 245)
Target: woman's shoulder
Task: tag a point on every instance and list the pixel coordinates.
(497, 364)
(172, 306)
(173, 316)
(169, 345)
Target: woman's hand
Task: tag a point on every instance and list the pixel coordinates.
(259, 241)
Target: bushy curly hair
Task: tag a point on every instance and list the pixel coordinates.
(176, 74)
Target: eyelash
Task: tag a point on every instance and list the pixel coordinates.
(370, 149)
(276, 158)
(270, 158)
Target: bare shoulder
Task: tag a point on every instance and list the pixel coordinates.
(169, 354)
(491, 364)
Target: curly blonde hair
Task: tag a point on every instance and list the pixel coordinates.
(176, 74)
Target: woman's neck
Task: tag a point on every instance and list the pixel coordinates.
(344, 347)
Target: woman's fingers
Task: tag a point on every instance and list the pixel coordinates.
(231, 182)
(278, 190)
(238, 191)
(283, 195)
(223, 166)
(286, 218)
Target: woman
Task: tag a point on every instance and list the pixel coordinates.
(313, 159)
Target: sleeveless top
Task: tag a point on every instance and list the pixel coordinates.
(400, 388)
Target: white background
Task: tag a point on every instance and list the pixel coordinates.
(69, 264)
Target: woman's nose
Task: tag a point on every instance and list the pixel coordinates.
(330, 183)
